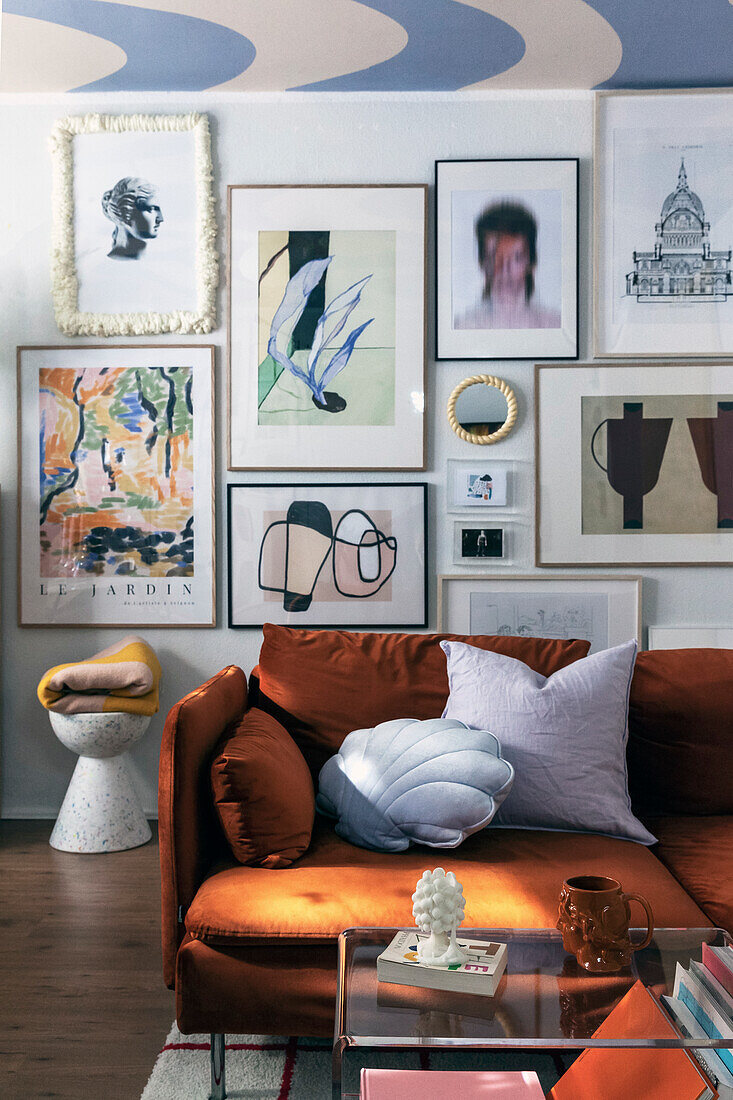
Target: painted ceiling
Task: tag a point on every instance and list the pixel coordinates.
(363, 45)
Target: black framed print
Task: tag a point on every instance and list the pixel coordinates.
(507, 259)
(348, 555)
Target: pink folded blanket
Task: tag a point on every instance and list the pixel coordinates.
(123, 677)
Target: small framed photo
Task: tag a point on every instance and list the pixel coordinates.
(348, 555)
(507, 259)
(116, 493)
(663, 223)
(480, 484)
(605, 611)
(326, 327)
(690, 637)
(134, 228)
(480, 543)
(634, 463)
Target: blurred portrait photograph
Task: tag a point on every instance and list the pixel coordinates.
(507, 259)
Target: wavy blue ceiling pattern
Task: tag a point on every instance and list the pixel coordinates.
(361, 45)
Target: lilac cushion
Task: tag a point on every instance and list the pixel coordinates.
(564, 735)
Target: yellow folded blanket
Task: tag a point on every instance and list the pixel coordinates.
(123, 677)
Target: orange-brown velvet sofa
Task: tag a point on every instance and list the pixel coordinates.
(253, 949)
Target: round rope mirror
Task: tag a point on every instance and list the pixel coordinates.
(485, 414)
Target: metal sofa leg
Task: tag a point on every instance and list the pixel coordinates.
(218, 1083)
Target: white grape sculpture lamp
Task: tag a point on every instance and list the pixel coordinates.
(438, 908)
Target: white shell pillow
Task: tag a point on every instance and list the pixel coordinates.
(565, 735)
(406, 781)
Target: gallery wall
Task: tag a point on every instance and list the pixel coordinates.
(286, 139)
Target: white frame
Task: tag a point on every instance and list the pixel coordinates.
(512, 176)
(459, 525)
(64, 276)
(690, 637)
(624, 610)
(186, 601)
(455, 466)
(558, 517)
(672, 110)
(401, 208)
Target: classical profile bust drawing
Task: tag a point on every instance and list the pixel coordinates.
(131, 205)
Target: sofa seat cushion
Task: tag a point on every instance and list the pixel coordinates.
(511, 878)
(322, 684)
(699, 853)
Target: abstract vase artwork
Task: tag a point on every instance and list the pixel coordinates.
(294, 551)
(666, 459)
(116, 472)
(713, 441)
(635, 449)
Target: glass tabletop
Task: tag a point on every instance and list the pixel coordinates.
(544, 1000)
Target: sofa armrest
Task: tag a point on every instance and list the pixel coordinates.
(189, 832)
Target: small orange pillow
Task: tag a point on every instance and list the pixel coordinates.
(263, 793)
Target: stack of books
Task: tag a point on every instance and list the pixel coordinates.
(481, 973)
(702, 1006)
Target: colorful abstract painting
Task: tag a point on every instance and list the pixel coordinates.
(116, 471)
(326, 334)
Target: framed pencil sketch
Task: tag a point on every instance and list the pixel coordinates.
(347, 555)
(327, 327)
(481, 543)
(690, 637)
(134, 228)
(663, 168)
(634, 463)
(604, 610)
(478, 484)
(116, 486)
(507, 259)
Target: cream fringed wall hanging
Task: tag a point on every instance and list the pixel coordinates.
(134, 227)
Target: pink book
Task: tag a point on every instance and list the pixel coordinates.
(419, 1084)
(716, 961)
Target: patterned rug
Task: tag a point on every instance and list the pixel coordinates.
(272, 1067)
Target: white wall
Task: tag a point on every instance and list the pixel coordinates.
(274, 139)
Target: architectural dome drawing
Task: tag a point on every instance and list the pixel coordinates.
(682, 264)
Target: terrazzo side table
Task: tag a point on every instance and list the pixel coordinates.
(101, 811)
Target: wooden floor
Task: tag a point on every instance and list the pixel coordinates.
(83, 1008)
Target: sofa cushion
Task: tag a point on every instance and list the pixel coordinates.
(321, 684)
(511, 878)
(564, 735)
(680, 732)
(699, 853)
(263, 792)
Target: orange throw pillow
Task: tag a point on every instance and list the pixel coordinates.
(263, 793)
(322, 684)
(680, 726)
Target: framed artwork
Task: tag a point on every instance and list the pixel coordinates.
(663, 167)
(134, 228)
(327, 327)
(690, 637)
(482, 483)
(480, 543)
(634, 463)
(604, 610)
(507, 259)
(347, 555)
(116, 486)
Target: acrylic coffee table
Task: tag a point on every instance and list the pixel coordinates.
(545, 1001)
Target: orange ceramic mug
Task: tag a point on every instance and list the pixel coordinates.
(594, 918)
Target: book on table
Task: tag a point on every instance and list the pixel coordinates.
(418, 1084)
(709, 1059)
(719, 961)
(622, 1073)
(696, 993)
(481, 973)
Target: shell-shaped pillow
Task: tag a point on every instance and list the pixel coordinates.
(406, 781)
